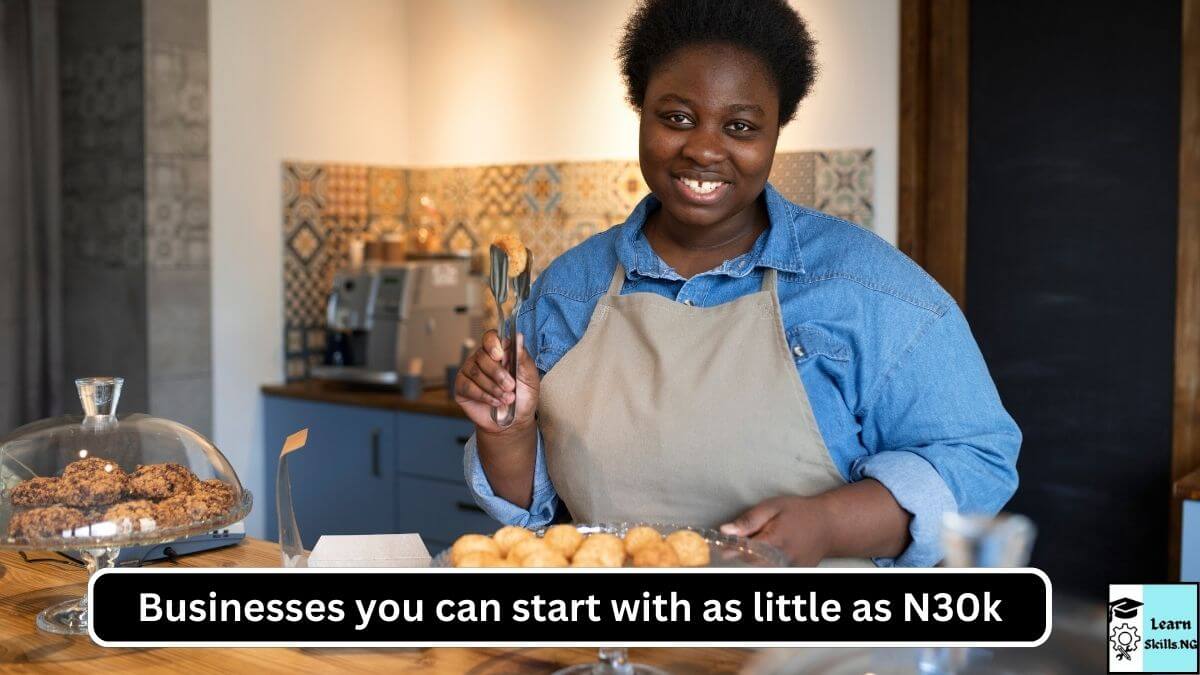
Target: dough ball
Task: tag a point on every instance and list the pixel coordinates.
(518, 552)
(603, 540)
(472, 542)
(509, 536)
(655, 555)
(563, 538)
(640, 536)
(479, 559)
(512, 246)
(690, 547)
(599, 556)
(544, 557)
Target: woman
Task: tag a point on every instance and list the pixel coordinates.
(728, 358)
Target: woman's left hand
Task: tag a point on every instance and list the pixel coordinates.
(799, 526)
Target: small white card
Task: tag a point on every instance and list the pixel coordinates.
(369, 550)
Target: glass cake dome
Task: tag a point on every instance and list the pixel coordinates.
(95, 484)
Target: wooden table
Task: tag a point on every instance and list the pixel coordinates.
(28, 587)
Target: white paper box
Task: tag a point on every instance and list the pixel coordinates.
(369, 550)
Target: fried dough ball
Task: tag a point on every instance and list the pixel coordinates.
(472, 542)
(655, 555)
(522, 549)
(544, 557)
(479, 559)
(603, 540)
(563, 538)
(599, 556)
(512, 246)
(509, 536)
(639, 536)
(690, 547)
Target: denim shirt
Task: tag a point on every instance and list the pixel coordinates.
(896, 382)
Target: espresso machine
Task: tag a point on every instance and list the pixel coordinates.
(384, 320)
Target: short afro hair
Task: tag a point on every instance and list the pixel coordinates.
(770, 29)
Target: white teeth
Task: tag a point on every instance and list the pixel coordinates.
(701, 187)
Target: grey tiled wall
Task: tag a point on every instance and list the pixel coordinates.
(135, 126)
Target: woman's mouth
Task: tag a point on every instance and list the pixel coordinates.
(700, 192)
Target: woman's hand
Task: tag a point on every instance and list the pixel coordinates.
(857, 520)
(483, 383)
(799, 526)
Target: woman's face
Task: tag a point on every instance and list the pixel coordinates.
(710, 120)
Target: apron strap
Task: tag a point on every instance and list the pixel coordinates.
(769, 277)
(618, 281)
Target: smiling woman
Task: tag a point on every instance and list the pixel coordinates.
(727, 358)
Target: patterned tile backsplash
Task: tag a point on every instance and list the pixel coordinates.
(551, 206)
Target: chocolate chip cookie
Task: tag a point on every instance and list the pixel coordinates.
(160, 481)
(134, 515)
(39, 491)
(46, 522)
(93, 488)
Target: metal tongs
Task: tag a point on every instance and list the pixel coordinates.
(499, 282)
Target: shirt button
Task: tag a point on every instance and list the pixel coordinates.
(798, 351)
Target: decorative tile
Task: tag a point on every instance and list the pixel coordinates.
(542, 188)
(388, 192)
(794, 175)
(586, 186)
(553, 207)
(346, 191)
(304, 183)
(501, 193)
(845, 181)
(460, 239)
(629, 187)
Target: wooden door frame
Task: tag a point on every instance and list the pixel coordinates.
(1185, 436)
(932, 227)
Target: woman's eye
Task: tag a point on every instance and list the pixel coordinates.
(741, 127)
(678, 118)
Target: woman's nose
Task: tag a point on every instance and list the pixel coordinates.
(704, 147)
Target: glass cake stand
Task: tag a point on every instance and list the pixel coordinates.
(96, 484)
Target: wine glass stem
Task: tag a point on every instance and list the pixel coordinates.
(614, 661)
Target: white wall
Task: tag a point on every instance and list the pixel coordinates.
(443, 83)
(536, 81)
(291, 79)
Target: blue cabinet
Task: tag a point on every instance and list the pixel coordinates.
(372, 471)
(343, 481)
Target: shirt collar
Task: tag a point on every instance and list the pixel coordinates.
(778, 247)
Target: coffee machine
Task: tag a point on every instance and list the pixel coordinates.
(383, 318)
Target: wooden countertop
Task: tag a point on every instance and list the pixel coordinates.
(1188, 487)
(433, 401)
(28, 587)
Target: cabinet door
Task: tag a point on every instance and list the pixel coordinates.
(440, 511)
(343, 479)
(431, 446)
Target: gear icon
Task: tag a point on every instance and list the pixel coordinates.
(1124, 640)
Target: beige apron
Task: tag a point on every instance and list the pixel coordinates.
(664, 412)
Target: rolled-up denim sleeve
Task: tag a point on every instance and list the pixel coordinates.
(545, 499)
(939, 437)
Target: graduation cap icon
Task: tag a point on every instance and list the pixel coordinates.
(1123, 608)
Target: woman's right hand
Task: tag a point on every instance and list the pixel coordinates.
(483, 383)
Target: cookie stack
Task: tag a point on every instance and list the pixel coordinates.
(94, 491)
(564, 545)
